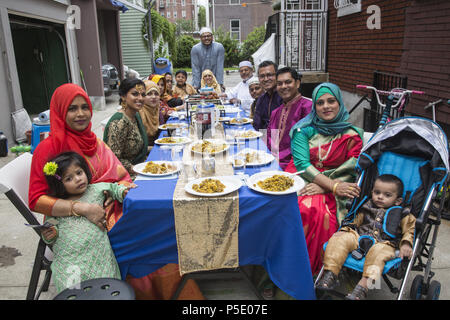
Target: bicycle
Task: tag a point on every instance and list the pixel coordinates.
(397, 99)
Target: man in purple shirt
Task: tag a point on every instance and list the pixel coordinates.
(270, 100)
(293, 108)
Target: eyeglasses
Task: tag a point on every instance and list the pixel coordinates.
(206, 36)
(266, 75)
(254, 89)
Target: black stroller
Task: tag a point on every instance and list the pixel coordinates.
(415, 150)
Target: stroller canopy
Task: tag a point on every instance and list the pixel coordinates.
(426, 131)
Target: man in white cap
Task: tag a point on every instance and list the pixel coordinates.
(207, 54)
(240, 93)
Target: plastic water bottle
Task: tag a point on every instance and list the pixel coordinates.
(3, 145)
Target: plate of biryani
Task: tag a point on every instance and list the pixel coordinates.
(241, 121)
(275, 182)
(156, 168)
(213, 186)
(248, 135)
(209, 146)
(173, 125)
(170, 141)
(253, 158)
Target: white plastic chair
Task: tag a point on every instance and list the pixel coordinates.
(14, 183)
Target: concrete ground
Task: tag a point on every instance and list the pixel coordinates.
(18, 246)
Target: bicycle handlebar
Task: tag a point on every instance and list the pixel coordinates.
(398, 94)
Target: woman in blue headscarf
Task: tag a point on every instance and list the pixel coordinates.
(326, 147)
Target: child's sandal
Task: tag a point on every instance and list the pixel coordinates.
(358, 293)
(329, 281)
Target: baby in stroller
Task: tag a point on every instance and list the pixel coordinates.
(366, 236)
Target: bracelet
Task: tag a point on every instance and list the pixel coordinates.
(335, 187)
(72, 210)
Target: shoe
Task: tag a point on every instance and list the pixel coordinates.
(359, 293)
(329, 281)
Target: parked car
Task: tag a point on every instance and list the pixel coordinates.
(111, 79)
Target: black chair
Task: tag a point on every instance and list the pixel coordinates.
(14, 182)
(98, 289)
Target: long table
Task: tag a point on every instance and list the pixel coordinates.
(270, 231)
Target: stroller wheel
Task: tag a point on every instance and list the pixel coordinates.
(416, 288)
(434, 290)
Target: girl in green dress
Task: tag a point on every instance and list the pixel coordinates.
(81, 249)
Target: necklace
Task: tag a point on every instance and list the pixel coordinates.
(319, 154)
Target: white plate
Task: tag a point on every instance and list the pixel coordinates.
(231, 184)
(139, 168)
(223, 119)
(247, 121)
(232, 109)
(215, 141)
(179, 140)
(173, 125)
(264, 157)
(257, 134)
(252, 182)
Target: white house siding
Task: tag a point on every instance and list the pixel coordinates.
(134, 51)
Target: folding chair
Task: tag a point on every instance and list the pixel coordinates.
(14, 182)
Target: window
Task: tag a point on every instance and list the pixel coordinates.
(346, 7)
(167, 3)
(168, 14)
(174, 14)
(235, 1)
(183, 3)
(235, 29)
(183, 13)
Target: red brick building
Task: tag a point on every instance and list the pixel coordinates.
(413, 40)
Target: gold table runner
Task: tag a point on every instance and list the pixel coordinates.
(206, 227)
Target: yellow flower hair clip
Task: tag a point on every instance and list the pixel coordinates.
(50, 169)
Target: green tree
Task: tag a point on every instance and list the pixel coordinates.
(184, 26)
(201, 17)
(254, 40)
(230, 45)
(184, 45)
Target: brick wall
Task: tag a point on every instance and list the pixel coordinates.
(355, 52)
(426, 55)
(414, 40)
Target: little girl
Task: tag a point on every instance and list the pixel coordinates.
(81, 249)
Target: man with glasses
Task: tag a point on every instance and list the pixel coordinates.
(240, 93)
(270, 100)
(207, 54)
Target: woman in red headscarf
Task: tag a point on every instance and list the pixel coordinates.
(70, 130)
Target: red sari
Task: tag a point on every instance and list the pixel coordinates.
(322, 213)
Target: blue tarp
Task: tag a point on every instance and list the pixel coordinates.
(119, 5)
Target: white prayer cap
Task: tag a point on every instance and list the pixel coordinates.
(253, 80)
(205, 30)
(245, 64)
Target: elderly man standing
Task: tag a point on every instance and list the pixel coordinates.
(240, 93)
(207, 54)
(270, 100)
(294, 108)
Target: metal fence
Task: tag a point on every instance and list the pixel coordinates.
(300, 40)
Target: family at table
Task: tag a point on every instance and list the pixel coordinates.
(312, 136)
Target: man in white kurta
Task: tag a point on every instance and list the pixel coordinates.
(207, 54)
(240, 93)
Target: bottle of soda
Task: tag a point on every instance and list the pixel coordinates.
(3, 145)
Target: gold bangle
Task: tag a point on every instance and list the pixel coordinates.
(335, 187)
(72, 209)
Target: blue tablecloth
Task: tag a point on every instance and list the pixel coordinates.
(270, 232)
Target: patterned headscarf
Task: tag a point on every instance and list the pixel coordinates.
(326, 128)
